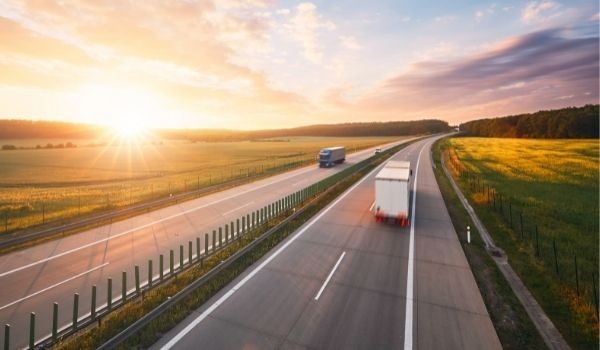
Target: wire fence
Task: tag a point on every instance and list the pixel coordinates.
(561, 261)
(78, 201)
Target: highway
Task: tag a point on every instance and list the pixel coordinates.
(34, 278)
(343, 281)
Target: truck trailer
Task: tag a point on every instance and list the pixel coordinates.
(392, 194)
(331, 155)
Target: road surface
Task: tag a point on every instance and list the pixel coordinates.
(34, 278)
(343, 281)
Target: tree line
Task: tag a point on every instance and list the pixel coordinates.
(570, 122)
(27, 129)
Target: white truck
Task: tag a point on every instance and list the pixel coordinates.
(332, 155)
(392, 192)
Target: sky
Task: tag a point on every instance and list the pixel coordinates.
(256, 64)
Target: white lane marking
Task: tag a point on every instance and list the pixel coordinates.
(158, 221)
(372, 205)
(239, 285)
(238, 208)
(329, 277)
(54, 285)
(408, 318)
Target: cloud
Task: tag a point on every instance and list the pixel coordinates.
(481, 14)
(525, 72)
(306, 27)
(537, 11)
(350, 42)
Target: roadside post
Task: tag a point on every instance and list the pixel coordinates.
(469, 234)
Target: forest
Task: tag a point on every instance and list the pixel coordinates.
(565, 123)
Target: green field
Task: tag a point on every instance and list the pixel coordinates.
(553, 184)
(38, 186)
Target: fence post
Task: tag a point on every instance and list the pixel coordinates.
(181, 257)
(161, 266)
(54, 320)
(32, 330)
(93, 305)
(171, 262)
(214, 240)
(521, 220)
(137, 278)
(595, 294)
(189, 252)
(226, 234)
(7, 336)
(206, 244)
(252, 225)
(149, 273)
(220, 236)
(123, 287)
(75, 310)
(231, 229)
(109, 295)
(198, 249)
(243, 224)
(555, 257)
(537, 242)
(510, 213)
(576, 273)
(237, 225)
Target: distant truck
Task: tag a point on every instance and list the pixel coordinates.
(332, 155)
(392, 193)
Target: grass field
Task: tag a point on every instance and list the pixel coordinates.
(38, 186)
(554, 185)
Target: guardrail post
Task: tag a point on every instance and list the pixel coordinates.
(123, 287)
(181, 257)
(252, 222)
(7, 336)
(198, 251)
(189, 252)
(109, 295)
(136, 271)
(226, 234)
(243, 224)
(237, 224)
(32, 330)
(93, 305)
(171, 262)
(161, 267)
(231, 229)
(149, 273)
(54, 320)
(206, 244)
(75, 310)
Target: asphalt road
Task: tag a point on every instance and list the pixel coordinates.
(343, 281)
(34, 278)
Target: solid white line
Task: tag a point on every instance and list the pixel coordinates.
(329, 277)
(163, 219)
(408, 318)
(226, 296)
(236, 209)
(52, 286)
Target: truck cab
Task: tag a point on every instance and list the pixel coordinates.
(330, 156)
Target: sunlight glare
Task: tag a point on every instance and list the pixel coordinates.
(129, 112)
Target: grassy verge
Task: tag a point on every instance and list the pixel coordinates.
(513, 326)
(113, 323)
(548, 274)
